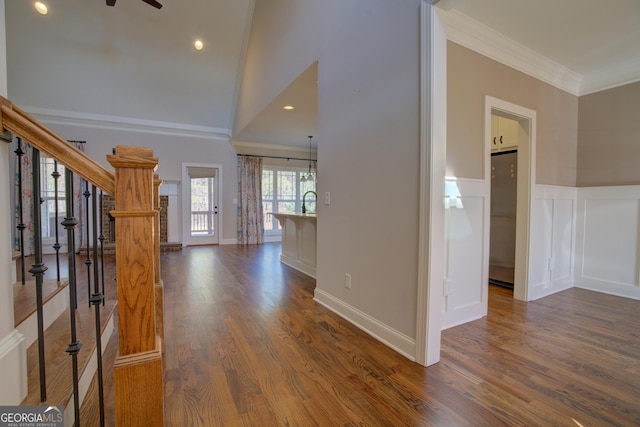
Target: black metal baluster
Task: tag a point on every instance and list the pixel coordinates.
(87, 261)
(96, 299)
(55, 174)
(69, 224)
(38, 270)
(101, 238)
(20, 225)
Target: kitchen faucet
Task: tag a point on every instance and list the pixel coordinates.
(304, 207)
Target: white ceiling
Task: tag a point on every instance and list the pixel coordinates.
(145, 56)
(131, 60)
(277, 126)
(597, 42)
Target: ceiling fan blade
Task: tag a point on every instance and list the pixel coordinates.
(153, 3)
(111, 2)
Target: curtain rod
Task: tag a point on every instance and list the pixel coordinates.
(77, 142)
(278, 157)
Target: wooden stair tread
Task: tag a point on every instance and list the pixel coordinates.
(58, 336)
(24, 297)
(58, 361)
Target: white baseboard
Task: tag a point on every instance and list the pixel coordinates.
(229, 241)
(297, 264)
(277, 238)
(545, 291)
(13, 369)
(383, 333)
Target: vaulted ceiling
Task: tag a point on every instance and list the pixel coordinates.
(593, 44)
(138, 62)
(130, 60)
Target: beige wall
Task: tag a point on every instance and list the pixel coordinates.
(470, 77)
(368, 137)
(609, 137)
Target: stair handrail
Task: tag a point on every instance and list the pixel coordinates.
(21, 124)
(138, 372)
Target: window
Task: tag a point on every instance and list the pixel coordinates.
(282, 191)
(48, 195)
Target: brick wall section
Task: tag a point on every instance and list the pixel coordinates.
(108, 204)
(164, 205)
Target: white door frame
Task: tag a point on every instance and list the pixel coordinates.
(433, 147)
(187, 239)
(526, 169)
(433, 135)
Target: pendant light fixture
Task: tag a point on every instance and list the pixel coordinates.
(309, 176)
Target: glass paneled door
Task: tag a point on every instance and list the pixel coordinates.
(200, 224)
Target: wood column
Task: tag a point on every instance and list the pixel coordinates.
(159, 284)
(138, 366)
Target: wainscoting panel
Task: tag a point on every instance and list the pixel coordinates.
(467, 245)
(552, 240)
(540, 254)
(607, 255)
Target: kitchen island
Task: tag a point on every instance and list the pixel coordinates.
(298, 241)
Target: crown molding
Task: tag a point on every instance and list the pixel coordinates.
(253, 146)
(605, 81)
(473, 35)
(101, 121)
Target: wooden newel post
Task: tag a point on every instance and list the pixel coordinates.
(138, 366)
(159, 284)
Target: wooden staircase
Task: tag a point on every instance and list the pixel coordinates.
(57, 337)
(136, 298)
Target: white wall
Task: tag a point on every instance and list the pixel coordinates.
(608, 241)
(13, 356)
(171, 145)
(368, 137)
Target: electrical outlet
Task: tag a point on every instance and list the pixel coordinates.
(347, 280)
(327, 198)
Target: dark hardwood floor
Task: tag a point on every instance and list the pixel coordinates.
(247, 345)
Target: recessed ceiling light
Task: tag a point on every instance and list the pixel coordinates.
(198, 44)
(288, 107)
(41, 8)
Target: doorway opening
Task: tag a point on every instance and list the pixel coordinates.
(504, 178)
(510, 175)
